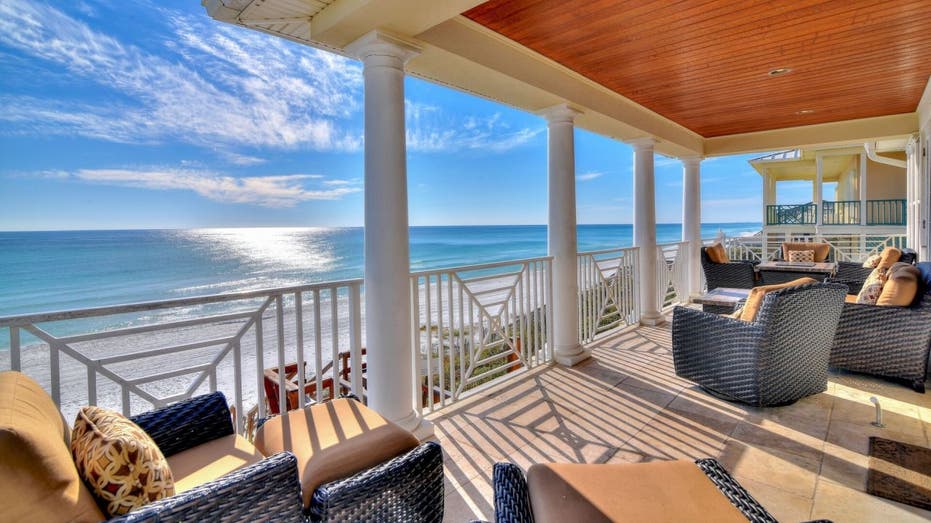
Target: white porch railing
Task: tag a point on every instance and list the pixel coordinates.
(847, 247)
(473, 325)
(609, 296)
(190, 346)
(672, 274)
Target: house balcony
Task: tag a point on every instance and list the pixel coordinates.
(486, 380)
(890, 212)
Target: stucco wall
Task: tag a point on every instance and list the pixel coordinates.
(885, 182)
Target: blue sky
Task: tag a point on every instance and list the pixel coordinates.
(143, 114)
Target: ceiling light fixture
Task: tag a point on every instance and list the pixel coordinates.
(780, 71)
(805, 111)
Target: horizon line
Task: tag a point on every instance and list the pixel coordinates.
(342, 227)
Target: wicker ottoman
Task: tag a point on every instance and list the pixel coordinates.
(356, 465)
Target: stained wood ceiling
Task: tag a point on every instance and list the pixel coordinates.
(705, 63)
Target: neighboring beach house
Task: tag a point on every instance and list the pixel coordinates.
(858, 196)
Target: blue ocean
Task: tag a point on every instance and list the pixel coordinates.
(51, 271)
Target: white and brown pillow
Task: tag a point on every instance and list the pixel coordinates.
(872, 262)
(802, 256)
(121, 464)
(872, 287)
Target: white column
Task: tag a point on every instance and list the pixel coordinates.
(816, 190)
(912, 199)
(863, 206)
(645, 229)
(691, 219)
(390, 374)
(561, 234)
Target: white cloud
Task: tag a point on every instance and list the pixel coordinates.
(243, 159)
(267, 191)
(220, 85)
(430, 129)
(584, 177)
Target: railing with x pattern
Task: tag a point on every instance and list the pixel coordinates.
(155, 353)
(473, 325)
(608, 291)
(672, 274)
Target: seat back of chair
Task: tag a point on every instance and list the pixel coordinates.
(799, 324)
(924, 285)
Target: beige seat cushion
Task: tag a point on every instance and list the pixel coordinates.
(822, 250)
(850, 298)
(658, 492)
(211, 460)
(755, 298)
(901, 286)
(716, 253)
(333, 440)
(38, 479)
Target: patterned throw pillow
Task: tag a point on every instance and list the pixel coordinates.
(872, 288)
(872, 262)
(801, 256)
(119, 462)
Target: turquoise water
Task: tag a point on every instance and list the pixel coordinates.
(49, 271)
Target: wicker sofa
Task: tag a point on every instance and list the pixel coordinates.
(854, 274)
(776, 359)
(891, 342)
(735, 274)
(197, 438)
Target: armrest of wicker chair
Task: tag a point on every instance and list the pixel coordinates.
(187, 424)
(406, 488)
(886, 341)
(512, 499)
(853, 286)
(265, 491)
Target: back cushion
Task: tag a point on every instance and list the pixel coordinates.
(821, 250)
(901, 286)
(717, 253)
(38, 479)
(755, 299)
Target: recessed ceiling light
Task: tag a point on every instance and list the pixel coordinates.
(780, 71)
(805, 111)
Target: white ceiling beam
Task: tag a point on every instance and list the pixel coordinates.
(814, 136)
(344, 21)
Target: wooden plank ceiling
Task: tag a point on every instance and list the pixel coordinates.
(705, 64)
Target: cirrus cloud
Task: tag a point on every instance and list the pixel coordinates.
(267, 191)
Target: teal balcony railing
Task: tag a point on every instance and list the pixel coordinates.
(885, 212)
(802, 214)
(840, 213)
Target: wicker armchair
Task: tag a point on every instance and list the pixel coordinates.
(735, 274)
(512, 499)
(891, 342)
(777, 359)
(268, 490)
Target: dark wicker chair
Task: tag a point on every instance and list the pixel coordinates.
(407, 488)
(512, 500)
(266, 491)
(777, 359)
(735, 274)
(891, 342)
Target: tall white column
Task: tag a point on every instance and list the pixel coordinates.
(816, 196)
(691, 219)
(645, 229)
(863, 205)
(390, 374)
(561, 234)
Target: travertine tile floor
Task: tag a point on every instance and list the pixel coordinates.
(625, 404)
